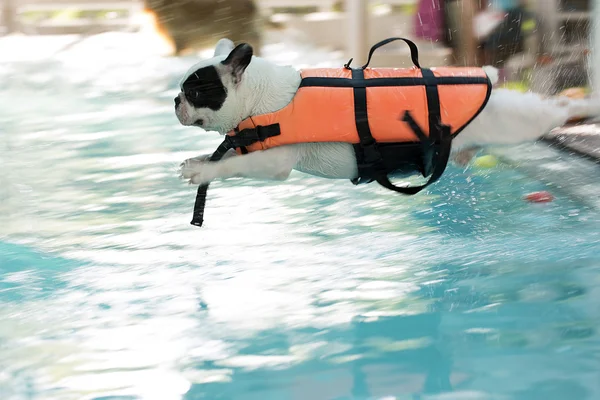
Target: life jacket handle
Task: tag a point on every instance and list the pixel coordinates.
(414, 50)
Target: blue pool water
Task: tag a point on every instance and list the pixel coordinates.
(308, 289)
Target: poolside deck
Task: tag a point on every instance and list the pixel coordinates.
(561, 161)
(580, 138)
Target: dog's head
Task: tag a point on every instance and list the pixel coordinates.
(209, 94)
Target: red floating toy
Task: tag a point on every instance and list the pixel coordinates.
(539, 197)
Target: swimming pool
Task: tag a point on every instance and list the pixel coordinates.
(309, 289)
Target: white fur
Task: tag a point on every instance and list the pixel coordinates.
(223, 47)
(510, 117)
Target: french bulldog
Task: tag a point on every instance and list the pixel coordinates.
(220, 92)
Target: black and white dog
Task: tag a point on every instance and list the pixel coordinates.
(233, 85)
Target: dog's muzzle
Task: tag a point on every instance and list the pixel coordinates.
(181, 111)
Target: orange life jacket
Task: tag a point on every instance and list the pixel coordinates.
(398, 120)
(324, 107)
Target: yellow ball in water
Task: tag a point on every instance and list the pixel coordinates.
(488, 161)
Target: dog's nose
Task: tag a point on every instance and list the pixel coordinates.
(177, 101)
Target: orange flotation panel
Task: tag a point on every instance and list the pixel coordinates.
(323, 109)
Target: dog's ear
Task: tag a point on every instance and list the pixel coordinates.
(224, 46)
(238, 60)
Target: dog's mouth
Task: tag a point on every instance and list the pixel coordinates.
(186, 119)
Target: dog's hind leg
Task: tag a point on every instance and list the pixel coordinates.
(512, 117)
(581, 108)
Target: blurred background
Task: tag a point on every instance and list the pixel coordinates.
(530, 40)
(304, 289)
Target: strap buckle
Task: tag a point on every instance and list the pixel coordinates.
(371, 165)
(371, 151)
(249, 136)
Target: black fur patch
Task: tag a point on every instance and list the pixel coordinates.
(204, 89)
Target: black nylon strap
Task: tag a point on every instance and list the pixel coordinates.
(249, 136)
(440, 166)
(315, 81)
(427, 146)
(433, 104)
(360, 111)
(241, 139)
(414, 51)
(367, 142)
(198, 215)
(437, 133)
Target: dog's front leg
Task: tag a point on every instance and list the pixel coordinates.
(204, 158)
(271, 164)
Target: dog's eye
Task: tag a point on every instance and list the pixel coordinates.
(192, 95)
(203, 96)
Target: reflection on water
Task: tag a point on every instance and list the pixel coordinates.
(310, 289)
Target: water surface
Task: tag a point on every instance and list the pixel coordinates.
(307, 289)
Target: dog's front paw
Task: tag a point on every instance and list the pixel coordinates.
(186, 167)
(198, 172)
(195, 161)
